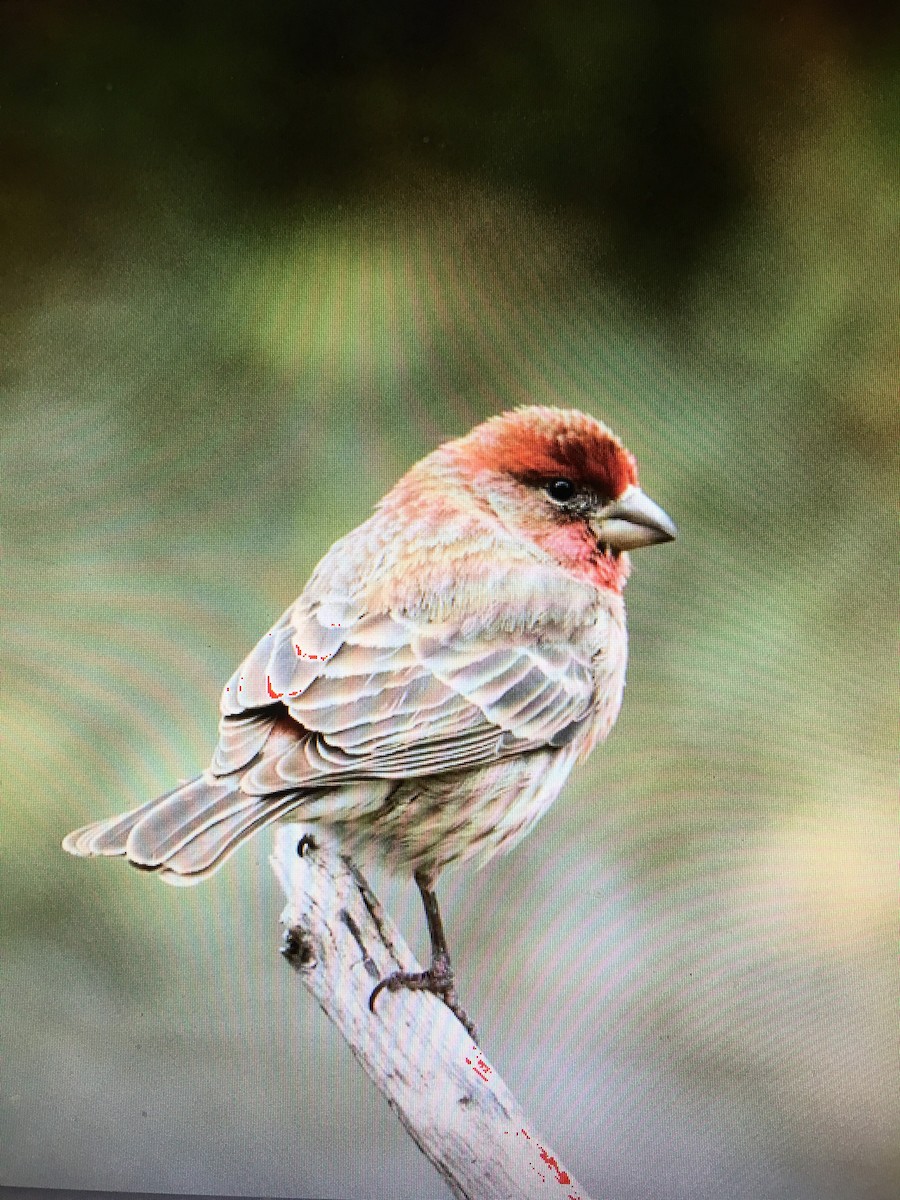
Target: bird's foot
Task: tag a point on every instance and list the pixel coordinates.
(438, 980)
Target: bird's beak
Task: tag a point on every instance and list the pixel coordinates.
(631, 521)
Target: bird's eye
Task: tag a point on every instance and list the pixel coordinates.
(561, 489)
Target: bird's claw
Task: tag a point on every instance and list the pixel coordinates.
(438, 980)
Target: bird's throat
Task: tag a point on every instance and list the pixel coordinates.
(574, 546)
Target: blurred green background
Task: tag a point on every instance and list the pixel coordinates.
(255, 261)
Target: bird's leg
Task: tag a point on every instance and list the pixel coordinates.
(439, 976)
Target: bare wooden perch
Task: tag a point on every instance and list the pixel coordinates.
(451, 1101)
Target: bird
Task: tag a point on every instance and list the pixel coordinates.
(446, 666)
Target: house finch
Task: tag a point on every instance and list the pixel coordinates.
(447, 664)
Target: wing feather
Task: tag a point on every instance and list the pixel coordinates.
(385, 695)
(335, 704)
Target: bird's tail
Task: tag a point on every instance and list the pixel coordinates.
(186, 834)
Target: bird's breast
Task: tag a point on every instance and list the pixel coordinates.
(609, 659)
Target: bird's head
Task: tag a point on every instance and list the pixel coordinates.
(562, 480)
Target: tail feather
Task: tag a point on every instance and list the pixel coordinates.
(177, 819)
(186, 834)
(203, 855)
(109, 835)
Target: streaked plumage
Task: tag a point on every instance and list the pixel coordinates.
(446, 665)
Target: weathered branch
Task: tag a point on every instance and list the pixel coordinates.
(451, 1101)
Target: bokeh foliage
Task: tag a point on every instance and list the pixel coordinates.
(257, 260)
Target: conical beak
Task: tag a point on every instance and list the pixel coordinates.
(632, 521)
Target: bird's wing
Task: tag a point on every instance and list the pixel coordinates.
(388, 696)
